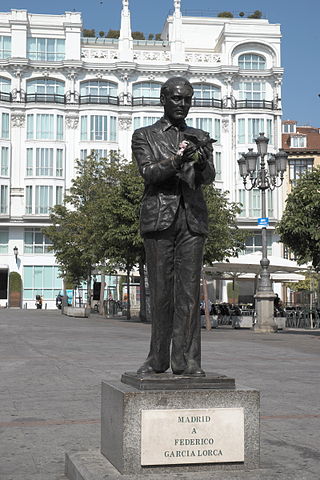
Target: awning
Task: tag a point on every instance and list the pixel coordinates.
(247, 266)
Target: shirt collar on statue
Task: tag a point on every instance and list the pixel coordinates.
(166, 124)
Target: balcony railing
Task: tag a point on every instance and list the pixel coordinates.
(99, 99)
(146, 101)
(267, 104)
(5, 97)
(45, 98)
(207, 102)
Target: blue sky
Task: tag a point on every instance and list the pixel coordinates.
(299, 25)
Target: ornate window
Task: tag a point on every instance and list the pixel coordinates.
(252, 90)
(4, 239)
(48, 49)
(5, 47)
(5, 85)
(4, 161)
(41, 280)
(47, 85)
(45, 90)
(46, 162)
(4, 199)
(5, 127)
(206, 95)
(98, 88)
(252, 61)
(146, 93)
(298, 141)
(35, 241)
(43, 126)
(99, 127)
(254, 243)
(298, 167)
(39, 199)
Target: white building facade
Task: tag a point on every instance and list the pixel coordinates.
(62, 96)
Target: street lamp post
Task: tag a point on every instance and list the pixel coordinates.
(264, 178)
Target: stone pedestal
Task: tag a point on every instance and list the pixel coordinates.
(265, 313)
(173, 431)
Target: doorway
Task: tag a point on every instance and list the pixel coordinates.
(3, 284)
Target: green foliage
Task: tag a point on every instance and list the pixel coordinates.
(101, 33)
(241, 14)
(89, 32)
(225, 239)
(15, 282)
(98, 222)
(151, 36)
(113, 34)
(299, 228)
(138, 36)
(311, 283)
(256, 14)
(225, 15)
(157, 37)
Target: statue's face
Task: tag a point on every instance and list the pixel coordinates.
(176, 103)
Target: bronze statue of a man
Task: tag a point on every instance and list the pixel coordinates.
(174, 161)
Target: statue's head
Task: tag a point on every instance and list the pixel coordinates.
(176, 96)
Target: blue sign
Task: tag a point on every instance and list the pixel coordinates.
(263, 222)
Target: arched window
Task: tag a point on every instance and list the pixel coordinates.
(204, 90)
(96, 91)
(251, 61)
(146, 93)
(206, 95)
(5, 85)
(45, 90)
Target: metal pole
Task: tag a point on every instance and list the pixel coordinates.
(265, 297)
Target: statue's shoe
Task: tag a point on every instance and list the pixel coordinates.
(195, 371)
(147, 369)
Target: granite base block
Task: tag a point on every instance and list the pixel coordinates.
(121, 407)
(92, 465)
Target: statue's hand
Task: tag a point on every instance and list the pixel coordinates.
(191, 153)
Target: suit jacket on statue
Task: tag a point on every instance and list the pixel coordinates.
(154, 148)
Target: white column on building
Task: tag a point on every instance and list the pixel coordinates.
(125, 39)
(177, 46)
(72, 137)
(17, 170)
(73, 26)
(124, 134)
(19, 22)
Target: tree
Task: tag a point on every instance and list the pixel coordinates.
(113, 34)
(98, 223)
(158, 37)
(225, 239)
(150, 36)
(225, 15)
(101, 33)
(256, 14)
(299, 228)
(89, 32)
(138, 36)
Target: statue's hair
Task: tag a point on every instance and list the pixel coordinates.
(173, 82)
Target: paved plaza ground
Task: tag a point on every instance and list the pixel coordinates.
(51, 367)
